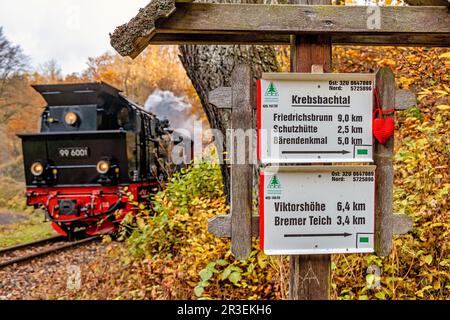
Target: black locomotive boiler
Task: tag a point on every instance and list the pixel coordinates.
(96, 155)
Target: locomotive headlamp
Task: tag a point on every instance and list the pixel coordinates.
(103, 167)
(71, 118)
(37, 169)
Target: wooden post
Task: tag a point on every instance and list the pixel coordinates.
(383, 156)
(310, 276)
(242, 171)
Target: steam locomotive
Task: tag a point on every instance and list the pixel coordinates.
(96, 155)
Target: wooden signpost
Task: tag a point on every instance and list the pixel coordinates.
(242, 170)
(310, 276)
(311, 27)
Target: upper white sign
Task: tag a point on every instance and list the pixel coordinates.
(315, 118)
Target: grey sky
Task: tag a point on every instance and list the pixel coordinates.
(68, 31)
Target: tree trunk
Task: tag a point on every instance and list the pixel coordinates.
(210, 67)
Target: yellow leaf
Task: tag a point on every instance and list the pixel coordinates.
(437, 285)
(445, 55)
(443, 107)
(442, 93)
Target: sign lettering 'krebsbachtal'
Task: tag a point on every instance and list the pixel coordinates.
(306, 118)
(317, 210)
(334, 101)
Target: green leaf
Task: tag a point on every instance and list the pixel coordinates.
(380, 295)
(199, 291)
(211, 266)
(444, 263)
(206, 274)
(262, 261)
(419, 253)
(222, 263)
(364, 297)
(428, 259)
(226, 274)
(237, 269)
(235, 277)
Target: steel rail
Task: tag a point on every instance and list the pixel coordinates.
(46, 252)
(31, 244)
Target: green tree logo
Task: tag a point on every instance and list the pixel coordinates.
(272, 91)
(275, 183)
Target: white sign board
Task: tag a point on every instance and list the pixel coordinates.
(315, 118)
(317, 210)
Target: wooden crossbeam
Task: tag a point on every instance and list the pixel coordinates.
(217, 23)
(406, 40)
(221, 98)
(296, 19)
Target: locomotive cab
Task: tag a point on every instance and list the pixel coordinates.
(96, 151)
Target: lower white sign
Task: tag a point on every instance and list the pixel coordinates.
(317, 210)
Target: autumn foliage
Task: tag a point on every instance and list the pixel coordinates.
(418, 268)
(180, 259)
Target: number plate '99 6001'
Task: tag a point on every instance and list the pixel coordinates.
(74, 153)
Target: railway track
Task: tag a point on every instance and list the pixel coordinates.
(30, 251)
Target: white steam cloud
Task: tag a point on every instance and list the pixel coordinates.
(166, 105)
